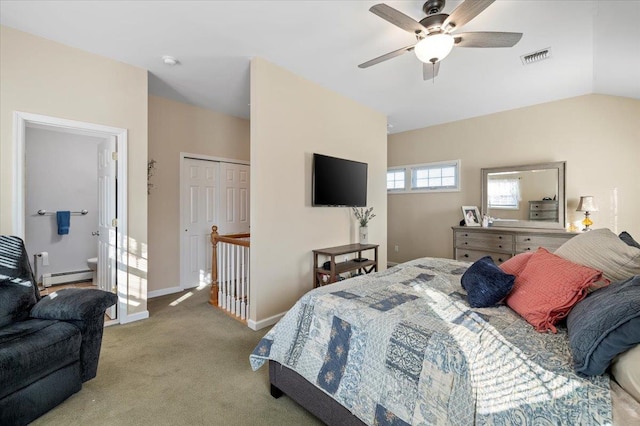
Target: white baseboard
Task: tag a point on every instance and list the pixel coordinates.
(163, 292)
(257, 325)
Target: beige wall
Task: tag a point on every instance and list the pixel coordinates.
(175, 127)
(291, 118)
(43, 77)
(598, 136)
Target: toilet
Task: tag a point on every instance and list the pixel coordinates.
(93, 265)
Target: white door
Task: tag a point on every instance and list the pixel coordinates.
(234, 200)
(199, 204)
(106, 219)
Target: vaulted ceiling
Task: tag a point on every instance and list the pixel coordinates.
(595, 48)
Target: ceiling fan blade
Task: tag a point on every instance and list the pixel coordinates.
(397, 18)
(386, 56)
(429, 70)
(487, 39)
(466, 11)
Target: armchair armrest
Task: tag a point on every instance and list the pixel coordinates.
(73, 304)
(83, 308)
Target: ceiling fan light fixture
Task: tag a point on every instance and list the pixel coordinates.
(434, 48)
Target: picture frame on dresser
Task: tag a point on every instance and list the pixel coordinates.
(471, 215)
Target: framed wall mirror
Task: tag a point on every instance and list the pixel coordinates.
(528, 196)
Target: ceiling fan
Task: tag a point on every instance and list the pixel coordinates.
(435, 33)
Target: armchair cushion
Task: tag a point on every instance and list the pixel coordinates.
(73, 304)
(31, 350)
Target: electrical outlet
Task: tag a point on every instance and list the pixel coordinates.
(396, 249)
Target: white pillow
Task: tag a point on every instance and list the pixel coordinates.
(626, 370)
(603, 250)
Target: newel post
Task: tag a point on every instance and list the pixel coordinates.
(213, 299)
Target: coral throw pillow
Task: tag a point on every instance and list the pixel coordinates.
(516, 264)
(548, 287)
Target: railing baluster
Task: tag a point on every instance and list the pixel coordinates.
(242, 284)
(248, 281)
(227, 305)
(223, 246)
(218, 261)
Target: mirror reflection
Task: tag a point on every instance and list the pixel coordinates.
(531, 195)
(523, 195)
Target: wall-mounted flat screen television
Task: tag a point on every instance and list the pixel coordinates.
(339, 182)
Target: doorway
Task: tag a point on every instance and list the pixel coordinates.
(213, 191)
(113, 189)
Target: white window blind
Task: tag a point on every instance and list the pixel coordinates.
(504, 193)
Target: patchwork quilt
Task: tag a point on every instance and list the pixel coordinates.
(403, 347)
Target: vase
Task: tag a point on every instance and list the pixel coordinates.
(364, 235)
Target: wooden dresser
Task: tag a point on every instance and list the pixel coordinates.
(472, 243)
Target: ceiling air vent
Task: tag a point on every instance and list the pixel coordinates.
(538, 56)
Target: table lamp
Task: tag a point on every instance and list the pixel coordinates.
(587, 205)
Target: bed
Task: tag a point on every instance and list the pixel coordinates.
(403, 346)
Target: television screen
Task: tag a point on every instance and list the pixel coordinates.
(339, 182)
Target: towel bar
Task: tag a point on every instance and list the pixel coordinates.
(43, 212)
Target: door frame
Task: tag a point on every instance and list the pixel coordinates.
(184, 155)
(22, 120)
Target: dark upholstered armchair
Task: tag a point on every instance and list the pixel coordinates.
(49, 346)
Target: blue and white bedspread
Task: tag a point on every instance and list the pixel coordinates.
(403, 347)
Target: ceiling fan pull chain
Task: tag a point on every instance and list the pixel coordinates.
(433, 72)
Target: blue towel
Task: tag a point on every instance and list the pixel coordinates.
(64, 221)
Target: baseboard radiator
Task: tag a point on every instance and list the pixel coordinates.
(230, 273)
(66, 277)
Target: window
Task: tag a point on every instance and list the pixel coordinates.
(504, 193)
(438, 177)
(395, 179)
(429, 177)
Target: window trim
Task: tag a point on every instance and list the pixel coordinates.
(409, 177)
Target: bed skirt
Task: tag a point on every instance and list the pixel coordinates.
(314, 400)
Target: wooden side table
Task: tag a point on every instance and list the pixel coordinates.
(336, 268)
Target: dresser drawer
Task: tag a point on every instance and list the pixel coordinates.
(484, 241)
(543, 206)
(473, 255)
(525, 243)
(543, 215)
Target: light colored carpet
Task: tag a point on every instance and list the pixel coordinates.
(186, 365)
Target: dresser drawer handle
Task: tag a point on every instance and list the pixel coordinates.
(500, 246)
(466, 242)
(528, 249)
(527, 239)
(500, 237)
(500, 259)
(466, 235)
(466, 255)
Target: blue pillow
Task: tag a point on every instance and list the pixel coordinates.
(603, 325)
(486, 284)
(628, 239)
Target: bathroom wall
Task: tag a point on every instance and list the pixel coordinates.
(61, 174)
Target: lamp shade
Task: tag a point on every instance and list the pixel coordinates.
(587, 204)
(434, 48)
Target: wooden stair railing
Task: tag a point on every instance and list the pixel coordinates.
(232, 294)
